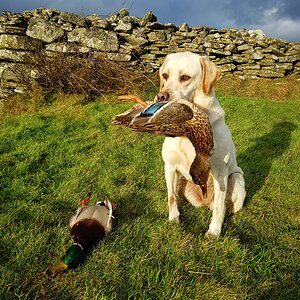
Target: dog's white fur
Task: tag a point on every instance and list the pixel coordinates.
(189, 76)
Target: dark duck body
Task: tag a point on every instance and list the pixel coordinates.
(175, 119)
(89, 225)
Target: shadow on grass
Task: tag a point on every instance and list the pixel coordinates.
(260, 234)
(256, 161)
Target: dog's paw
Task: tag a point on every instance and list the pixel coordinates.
(174, 215)
(237, 206)
(174, 219)
(212, 234)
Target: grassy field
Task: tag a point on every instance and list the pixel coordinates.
(51, 159)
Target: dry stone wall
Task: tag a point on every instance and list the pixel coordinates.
(138, 42)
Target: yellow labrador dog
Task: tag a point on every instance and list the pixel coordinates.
(189, 76)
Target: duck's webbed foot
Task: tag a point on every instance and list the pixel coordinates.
(132, 98)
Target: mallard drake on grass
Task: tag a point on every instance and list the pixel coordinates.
(89, 225)
(174, 119)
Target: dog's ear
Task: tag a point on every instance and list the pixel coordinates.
(210, 75)
(161, 83)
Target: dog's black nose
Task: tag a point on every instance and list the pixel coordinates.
(162, 96)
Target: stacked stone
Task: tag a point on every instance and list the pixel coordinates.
(245, 53)
(14, 44)
(138, 42)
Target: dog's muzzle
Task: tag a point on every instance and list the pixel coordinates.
(162, 96)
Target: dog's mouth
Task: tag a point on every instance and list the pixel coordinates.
(167, 96)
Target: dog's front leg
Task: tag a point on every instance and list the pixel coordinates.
(171, 176)
(220, 189)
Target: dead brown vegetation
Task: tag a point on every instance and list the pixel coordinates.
(271, 89)
(91, 75)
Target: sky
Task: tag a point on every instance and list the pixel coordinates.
(277, 18)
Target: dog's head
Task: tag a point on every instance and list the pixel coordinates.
(185, 74)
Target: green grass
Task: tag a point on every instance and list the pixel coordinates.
(51, 159)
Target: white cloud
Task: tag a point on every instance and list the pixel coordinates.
(270, 12)
(282, 28)
(275, 25)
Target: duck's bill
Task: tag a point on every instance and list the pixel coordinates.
(57, 270)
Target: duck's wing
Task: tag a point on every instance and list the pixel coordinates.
(169, 130)
(145, 116)
(167, 120)
(173, 113)
(73, 218)
(137, 116)
(103, 216)
(81, 213)
(126, 118)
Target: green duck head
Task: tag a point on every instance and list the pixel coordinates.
(73, 257)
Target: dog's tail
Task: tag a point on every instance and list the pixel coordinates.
(193, 193)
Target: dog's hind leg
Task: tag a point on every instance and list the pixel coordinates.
(218, 214)
(236, 192)
(172, 180)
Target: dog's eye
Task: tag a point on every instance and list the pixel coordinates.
(185, 78)
(165, 76)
